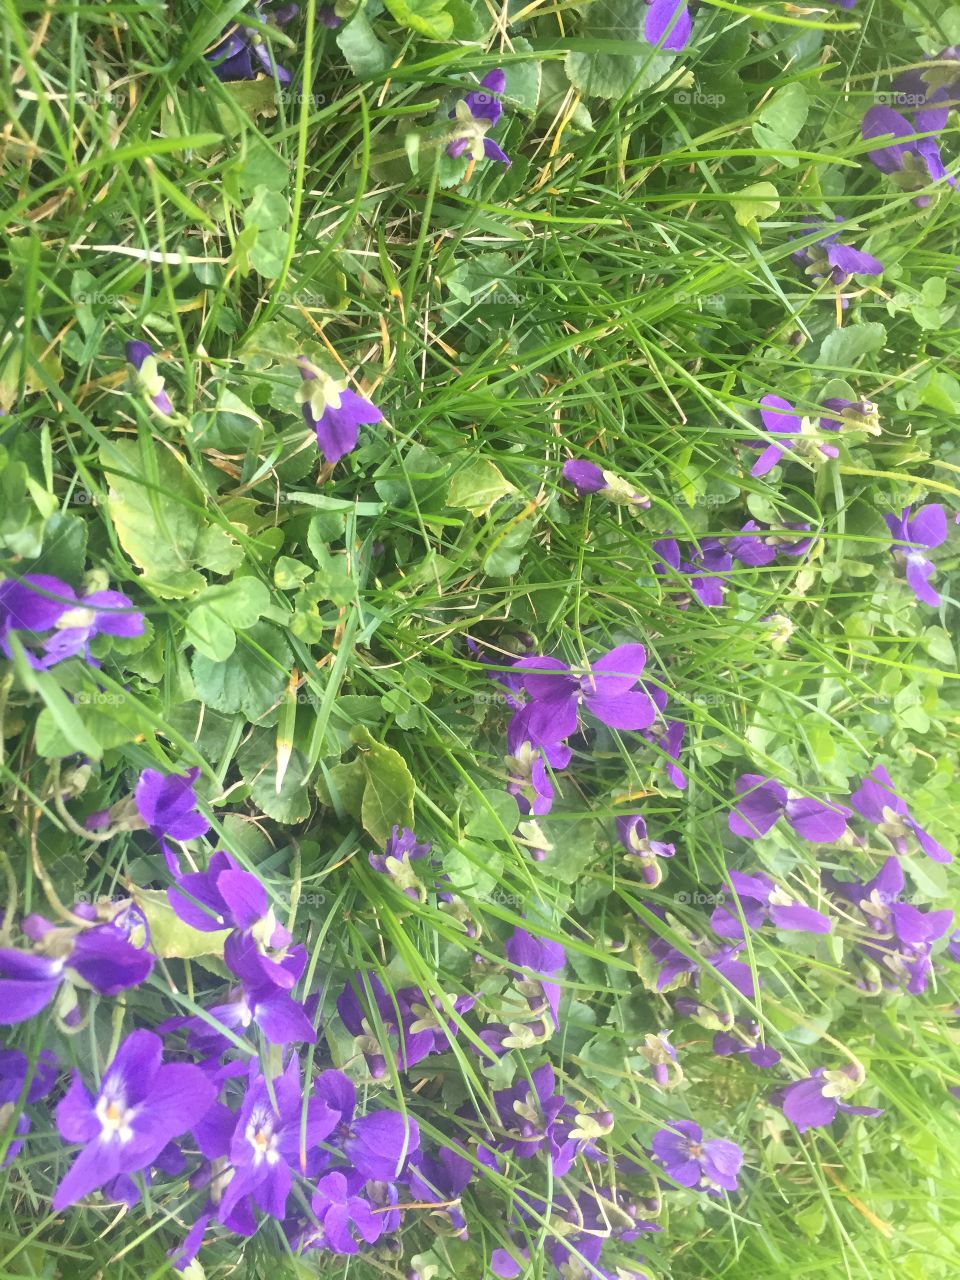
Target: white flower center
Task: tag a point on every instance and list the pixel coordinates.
(263, 1140)
(115, 1119)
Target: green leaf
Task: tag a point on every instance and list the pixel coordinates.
(170, 937)
(843, 347)
(366, 55)
(220, 612)
(781, 120)
(389, 788)
(257, 761)
(64, 552)
(269, 252)
(478, 487)
(247, 681)
(159, 525)
(617, 25)
(759, 200)
(429, 17)
(482, 824)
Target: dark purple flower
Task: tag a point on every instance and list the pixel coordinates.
(40, 603)
(728, 965)
(528, 1113)
(814, 1102)
(606, 691)
(850, 415)
(442, 1179)
(827, 257)
(911, 162)
(781, 419)
(141, 1106)
(668, 24)
(21, 1081)
(744, 1038)
(758, 545)
(662, 1056)
(476, 113)
(168, 804)
(102, 958)
(632, 833)
(587, 477)
(761, 900)
(687, 1159)
(913, 536)
(761, 802)
(705, 569)
(346, 1220)
(402, 850)
(141, 359)
(332, 410)
(529, 951)
(667, 735)
(275, 1136)
(243, 53)
(930, 93)
(877, 801)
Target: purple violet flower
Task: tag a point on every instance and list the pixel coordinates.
(606, 691)
(827, 257)
(476, 113)
(761, 802)
(761, 900)
(758, 545)
(234, 57)
(396, 861)
(667, 735)
(587, 477)
(912, 537)
(102, 958)
(167, 803)
(632, 833)
(528, 1113)
(780, 419)
(706, 569)
(814, 1102)
(332, 410)
(143, 362)
(930, 93)
(140, 1107)
(703, 1166)
(271, 1141)
(41, 603)
(668, 24)
(877, 801)
(346, 1220)
(911, 162)
(21, 1081)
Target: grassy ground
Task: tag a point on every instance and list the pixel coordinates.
(606, 297)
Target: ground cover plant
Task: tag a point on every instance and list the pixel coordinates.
(478, 691)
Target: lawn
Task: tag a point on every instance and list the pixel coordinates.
(478, 674)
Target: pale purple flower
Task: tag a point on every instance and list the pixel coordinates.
(347, 1221)
(21, 1080)
(757, 545)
